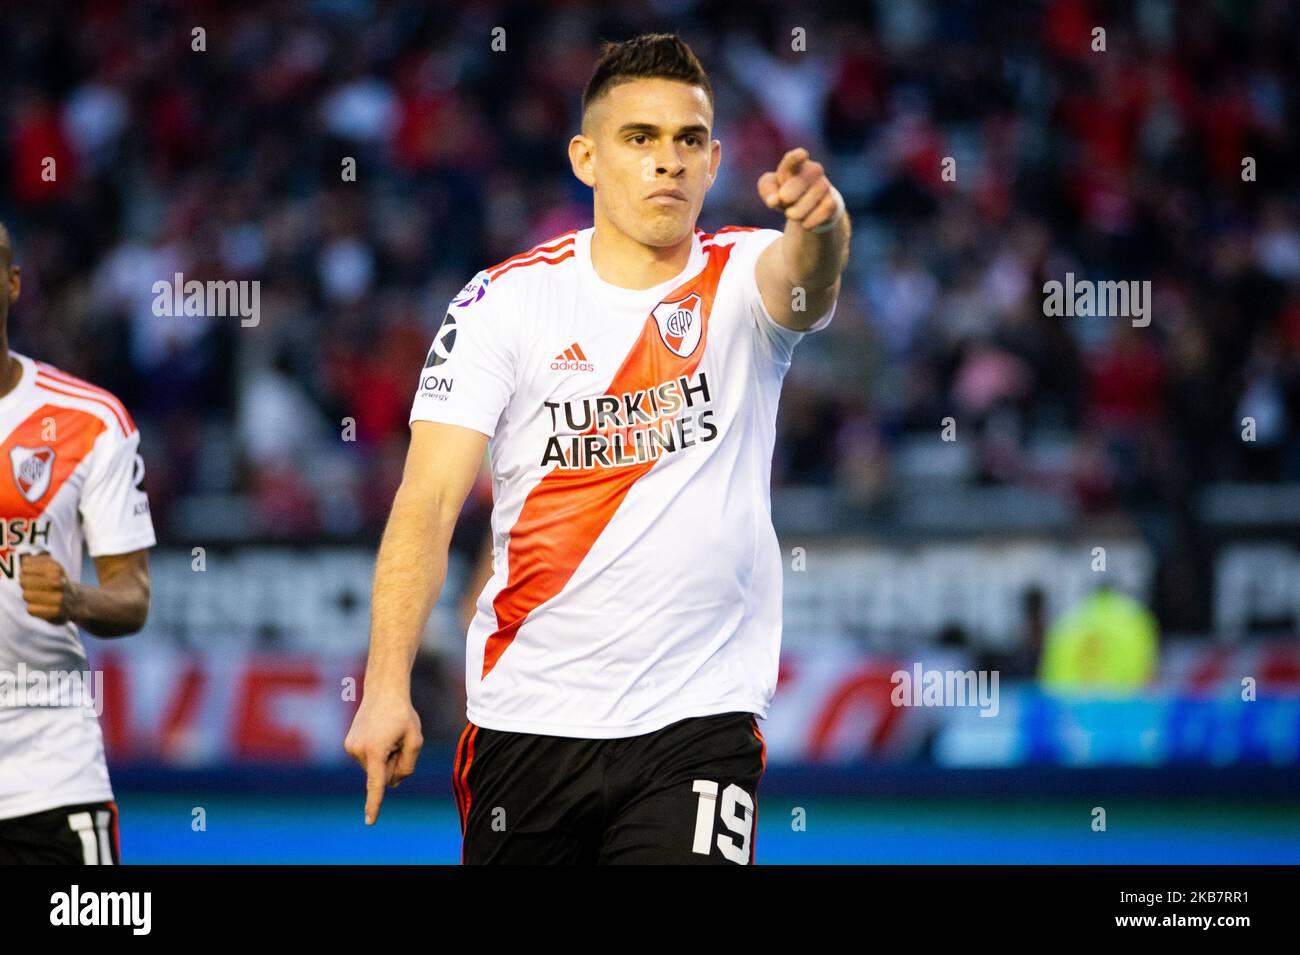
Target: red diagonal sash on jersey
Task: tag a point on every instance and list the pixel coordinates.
(75, 433)
(568, 508)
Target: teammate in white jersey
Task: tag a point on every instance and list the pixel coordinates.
(627, 378)
(70, 471)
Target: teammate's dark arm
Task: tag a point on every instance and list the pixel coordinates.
(479, 575)
(117, 606)
(801, 258)
(441, 465)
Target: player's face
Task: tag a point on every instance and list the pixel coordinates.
(651, 159)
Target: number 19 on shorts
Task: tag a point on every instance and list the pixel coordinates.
(737, 813)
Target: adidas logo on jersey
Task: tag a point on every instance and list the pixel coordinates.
(572, 359)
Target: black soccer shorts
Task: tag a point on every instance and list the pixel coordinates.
(84, 834)
(686, 794)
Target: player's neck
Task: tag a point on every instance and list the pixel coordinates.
(621, 260)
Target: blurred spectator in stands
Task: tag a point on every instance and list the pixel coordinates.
(1106, 644)
(228, 164)
(1021, 661)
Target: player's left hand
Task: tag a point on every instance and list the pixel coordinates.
(800, 188)
(47, 590)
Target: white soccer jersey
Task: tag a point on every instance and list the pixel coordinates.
(636, 574)
(70, 469)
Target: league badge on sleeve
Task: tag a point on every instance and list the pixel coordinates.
(472, 292)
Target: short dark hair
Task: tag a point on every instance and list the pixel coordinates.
(6, 251)
(648, 56)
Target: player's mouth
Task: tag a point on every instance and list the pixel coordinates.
(667, 196)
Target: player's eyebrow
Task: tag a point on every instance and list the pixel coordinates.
(650, 129)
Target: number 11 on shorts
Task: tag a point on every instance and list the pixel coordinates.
(740, 822)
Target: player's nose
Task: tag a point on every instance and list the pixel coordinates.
(669, 163)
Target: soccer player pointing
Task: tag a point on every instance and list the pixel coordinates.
(625, 378)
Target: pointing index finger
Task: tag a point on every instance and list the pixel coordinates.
(375, 775)
(790, 163)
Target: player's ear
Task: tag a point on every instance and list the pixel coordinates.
(15, 283)
(715, 160)
(581, 150)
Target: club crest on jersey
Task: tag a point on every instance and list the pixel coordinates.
(679, 324)
(33, 468)
(472, 292)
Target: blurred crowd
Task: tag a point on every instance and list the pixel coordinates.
(1169, 156)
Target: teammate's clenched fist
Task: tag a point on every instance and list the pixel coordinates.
(385, 739)
(800, 188)
(47, 590)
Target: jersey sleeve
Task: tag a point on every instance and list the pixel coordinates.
(469, 373)
(114, 507)
(776, 340)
